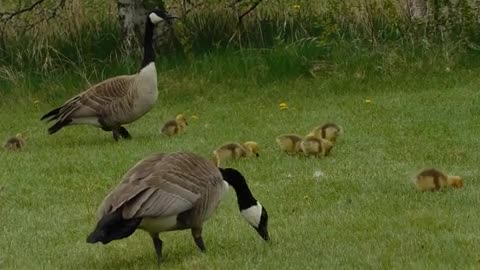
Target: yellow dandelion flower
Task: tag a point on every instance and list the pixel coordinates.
(296, 7)
(283, 106)
(368, 101)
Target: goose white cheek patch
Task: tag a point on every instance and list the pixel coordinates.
(155, 18)
(253, 214)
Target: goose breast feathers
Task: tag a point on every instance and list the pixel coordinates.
(163, 185)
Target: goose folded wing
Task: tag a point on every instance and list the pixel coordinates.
(106, 92)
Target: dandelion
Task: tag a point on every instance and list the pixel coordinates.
(368, 101)
(283, 106)
(296, 7)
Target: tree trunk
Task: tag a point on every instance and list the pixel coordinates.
(132, 16)
(418, 9)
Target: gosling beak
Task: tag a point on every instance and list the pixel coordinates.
(257, 155)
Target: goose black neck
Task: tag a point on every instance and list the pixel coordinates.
(148, 52)
(235, 179)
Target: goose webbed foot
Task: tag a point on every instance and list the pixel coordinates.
(116, 134)
(157, 243)
(124, 133)
(121, 132)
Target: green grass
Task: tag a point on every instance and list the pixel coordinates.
(364, 213)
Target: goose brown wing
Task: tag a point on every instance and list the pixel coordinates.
(98, 98)
(160, 185)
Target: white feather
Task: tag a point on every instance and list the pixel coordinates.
(86, 121)
(253, 214)
(155, 18)
(158, 225)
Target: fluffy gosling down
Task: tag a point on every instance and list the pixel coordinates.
(290, 143)
(16, 143)
(233, 151)
(170, 192)
(434, 180)
(313, 146)
(328, 131)
(175, 126)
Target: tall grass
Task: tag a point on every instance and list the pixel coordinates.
(279, 40)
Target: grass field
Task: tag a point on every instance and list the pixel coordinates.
(362, 213)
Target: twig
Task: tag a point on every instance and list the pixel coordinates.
(10, 15)
(252, 7)
(6, 16)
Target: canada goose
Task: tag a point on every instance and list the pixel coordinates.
(175, 126)
(234, 151)
(290, 143)
(328, 131)
(168, 192)
(433, 179)
(312, 146)
(16, 143)
(116, 101)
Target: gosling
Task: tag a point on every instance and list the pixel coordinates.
(234, 151)
(175, 126)
(16, 143)
(328, 131)
(313, 146)
(290, 143)
(434, 180)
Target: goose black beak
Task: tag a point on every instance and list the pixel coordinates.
(257, 155)
(263, 232)
(263, 225)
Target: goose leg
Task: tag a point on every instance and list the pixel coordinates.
(116, 133)
(124, 133)
(197, 236)
(157, 243)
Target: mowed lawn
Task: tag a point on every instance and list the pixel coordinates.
(357, 208)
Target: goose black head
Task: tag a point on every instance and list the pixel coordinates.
(159, 15)
(250, 209)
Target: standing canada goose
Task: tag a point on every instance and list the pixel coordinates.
(328, 131)
(234, 151)
(290, 143)
(313, 146)
(175, 126)
(16, 143)
(116, 101)
(433, 180)
(168, 192)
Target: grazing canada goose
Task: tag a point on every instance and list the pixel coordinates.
(290, 143)
(433, 180)
(175, 126)
(234, 151)
(16, 143)
(328, 131)
(116, 101)
(168, 192)
(313, 146)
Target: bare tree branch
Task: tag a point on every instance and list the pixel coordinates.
(6, 16)
(250, 9)
(9, 15)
